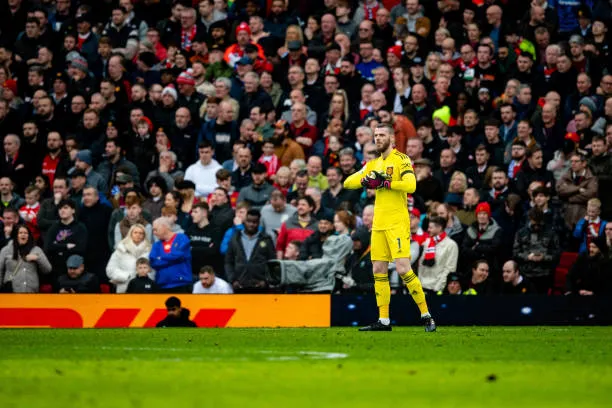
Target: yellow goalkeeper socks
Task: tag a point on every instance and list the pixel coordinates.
(383, 296)
(416, 291)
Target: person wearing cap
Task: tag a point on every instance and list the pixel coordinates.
(84, 163)
(235, 52)
(590, 274)
(440, 256)
(483, 239)
(87, 40)
(312, 247)
(257, 194)
(188, 97)
(65, 237)
(76, 280)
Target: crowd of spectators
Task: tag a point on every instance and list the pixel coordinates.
(184, 146)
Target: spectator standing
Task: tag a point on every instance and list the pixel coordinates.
(247, 257)
(576, 188)
(65, 237)
(258, 193)
(21, 263)
(483, 239)
(205, 241)
(122, 266)
(536, 248)
(298, 227)
(590, 275)
(171, 258)
(440, 256)
(142, 283)
(203, 172)
(274, 214)
(95, 216)
(591, 226)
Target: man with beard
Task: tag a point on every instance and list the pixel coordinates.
(498, 189)
(601, 165)
(56, 162)
(518, 150)
(91, 134)
(350, 80)
(393, 177)
(45, 117)
(114, 159)
(285, 147)
(312, 247)
(531, 171)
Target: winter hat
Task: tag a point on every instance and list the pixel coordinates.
(483, 207)
(146, 120)
(80, 63)
(416, 212)
(85, 156)
(185, 78)
(443, 114)
(243, 27)
(395, 50)
(169, 90)
(573, 136)
(11, 84)
(589, 103)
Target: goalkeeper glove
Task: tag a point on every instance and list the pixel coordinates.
(375, 180)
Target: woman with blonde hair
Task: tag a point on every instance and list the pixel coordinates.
(292, 33)
(338, 109)
(431, 66)
(121, 267)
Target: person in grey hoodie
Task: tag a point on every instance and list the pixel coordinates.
(258, 193)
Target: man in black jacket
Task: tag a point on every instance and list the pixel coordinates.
(312, 247)
(66, 237)
(221, 213)
(205, 241)
(95, 216)
(177, 316)
(247, 257)
(76, 280)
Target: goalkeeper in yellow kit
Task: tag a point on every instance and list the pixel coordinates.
(392, 176)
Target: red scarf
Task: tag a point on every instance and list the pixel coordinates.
(464, 67)
(168, 244)
(430, 251)
(370, 12)
(593, 230)
(187, 38)
(548, 72)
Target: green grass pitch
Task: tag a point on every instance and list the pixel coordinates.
(335, 367)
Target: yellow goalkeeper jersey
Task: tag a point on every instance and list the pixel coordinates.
(391, 205)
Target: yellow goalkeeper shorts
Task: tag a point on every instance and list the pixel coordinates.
(390, 244)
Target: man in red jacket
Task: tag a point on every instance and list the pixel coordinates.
(299, 226)
(236, 51)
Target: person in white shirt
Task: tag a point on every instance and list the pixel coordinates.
(203, 172)
(210, 284)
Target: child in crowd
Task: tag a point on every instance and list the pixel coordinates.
(269, 159)
(142, 283)
(29, 211)
(282, 180)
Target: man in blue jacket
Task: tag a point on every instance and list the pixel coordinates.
(171, 259)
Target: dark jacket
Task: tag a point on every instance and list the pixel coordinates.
(482, 246)
(141, 285)
(86, 283)
(57, 240)
(525, 287)
(602, 169)
(182, 321)
(590, 273)
(527, 175)
(205, 244)
(48, 215)
(312, 247)
(96, 219)
(544, 242)
(257, 196)
(248, 272)
(222, 217)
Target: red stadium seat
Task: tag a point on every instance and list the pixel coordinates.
(565, 263)
(105, 288)
(46, 288)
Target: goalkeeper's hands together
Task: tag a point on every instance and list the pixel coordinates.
(375, 180)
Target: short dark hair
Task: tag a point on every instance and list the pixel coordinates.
(207, 269)
(259, 168)
(440, 221)
(205, 144)
(308, 200)
(143, 261)
(254, 213)
(541, 190)
(302, 173)
(172, 301)
(202, 205)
